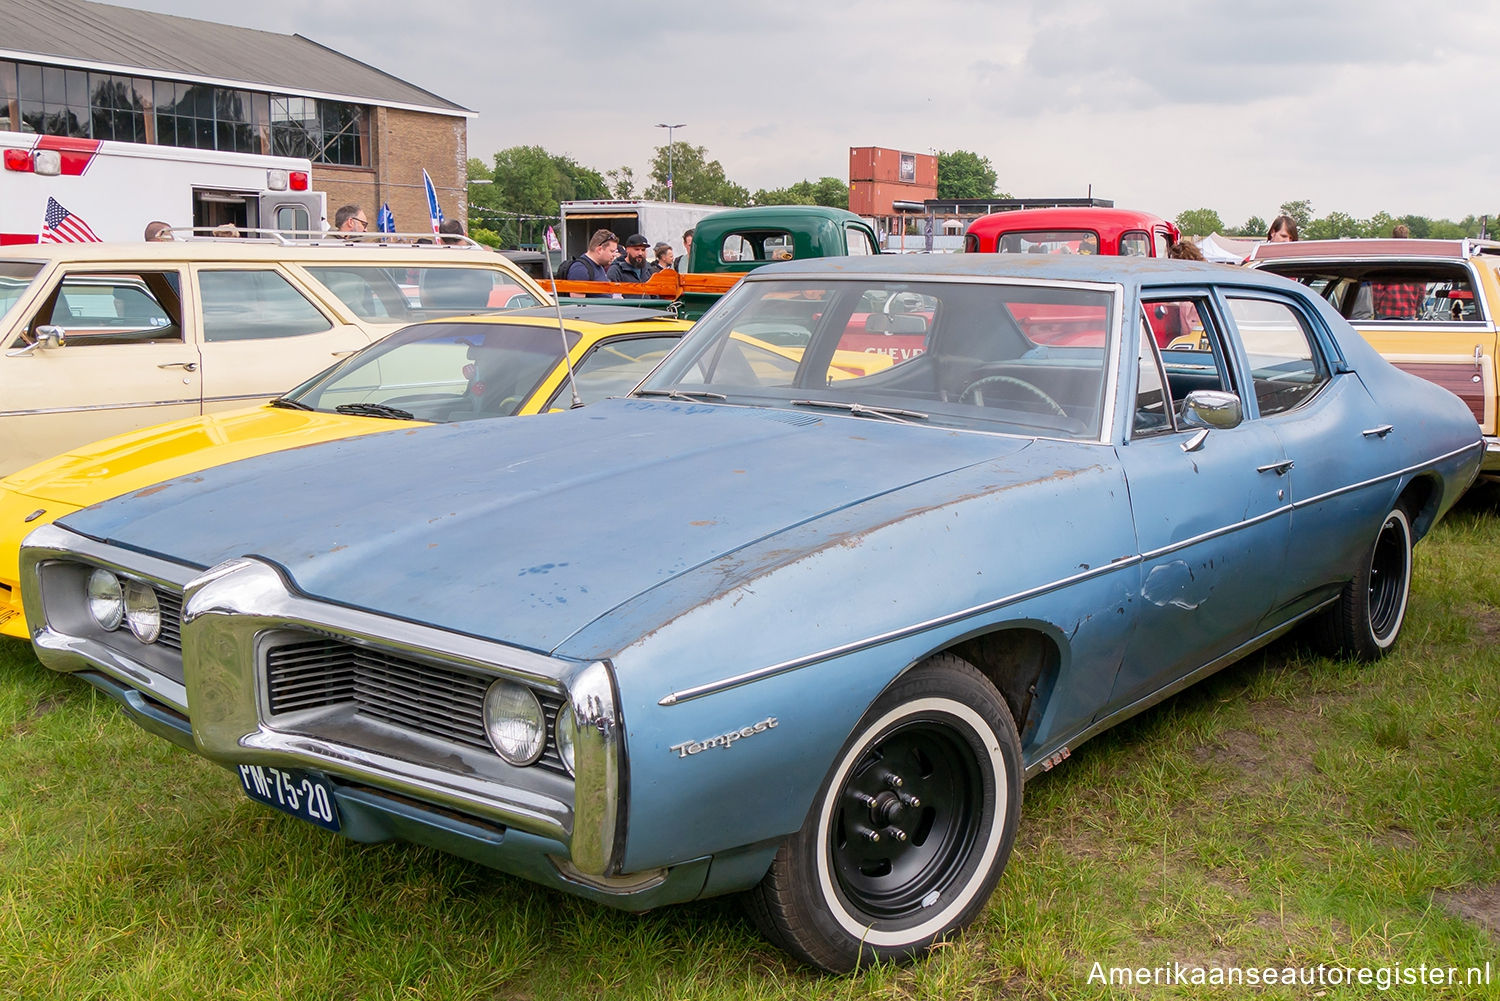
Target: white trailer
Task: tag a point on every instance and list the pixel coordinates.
(116, 188)
(660, 222)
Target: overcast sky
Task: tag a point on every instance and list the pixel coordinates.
(1164, 105)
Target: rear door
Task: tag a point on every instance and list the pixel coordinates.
(125, 361)
(261, 333)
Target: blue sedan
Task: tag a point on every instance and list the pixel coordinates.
(773, 623)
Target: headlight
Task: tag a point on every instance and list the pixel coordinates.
(105, 600)
(565, 734)
(514, 722)
(142, 612)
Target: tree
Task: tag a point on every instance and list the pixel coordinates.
(695, 178)
(830, 191)
(527, 181)
(1379, 224)
(621, 182)
(1333, 226)
(1301, 212)
(961, 174)
(1199, 222)
(1254, 226)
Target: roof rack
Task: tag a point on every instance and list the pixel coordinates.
(330, 238)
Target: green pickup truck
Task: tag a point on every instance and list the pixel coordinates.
(729, 243)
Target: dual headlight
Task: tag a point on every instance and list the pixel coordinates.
(516, 725)
(112, 602)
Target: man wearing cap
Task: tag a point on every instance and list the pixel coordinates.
(632, 267)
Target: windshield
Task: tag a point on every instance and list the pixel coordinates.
(440, 372)
(14, 277)
(1026, 359)
(405, 294)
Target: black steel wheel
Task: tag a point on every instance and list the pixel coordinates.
(1366, 620)
(910, 831)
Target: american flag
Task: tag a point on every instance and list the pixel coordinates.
(61, 226)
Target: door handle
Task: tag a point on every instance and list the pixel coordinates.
(1379, 432)
(186, 366)
(1279, 468)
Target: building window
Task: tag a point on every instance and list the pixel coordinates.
(322, 131)
(51, 100)
(10, 102)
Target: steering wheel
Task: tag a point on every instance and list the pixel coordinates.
(971, 391)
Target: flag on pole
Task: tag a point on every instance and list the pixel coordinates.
(432, 203)
(61, 226)
(385, 221)
(550, 239)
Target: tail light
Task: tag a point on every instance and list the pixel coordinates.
(299, 180)
(19, 159)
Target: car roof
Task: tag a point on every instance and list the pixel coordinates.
(1066, 218)
(1128, 271)
(1454, 250)
(256, 250)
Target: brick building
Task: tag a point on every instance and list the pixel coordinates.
(96, 71)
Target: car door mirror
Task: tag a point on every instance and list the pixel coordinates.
(1212, 408)
(46, 337)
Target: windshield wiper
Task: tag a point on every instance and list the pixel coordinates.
(682, 394)
(374, 410)
(288, 403)
(859, 409)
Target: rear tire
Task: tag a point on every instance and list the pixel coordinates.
(933, 770)
(1366, 620)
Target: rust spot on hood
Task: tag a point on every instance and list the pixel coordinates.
(148, 491)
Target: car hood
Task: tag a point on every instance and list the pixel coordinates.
(90, 473)
(527, 531)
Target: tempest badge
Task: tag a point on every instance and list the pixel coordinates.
(724, 740)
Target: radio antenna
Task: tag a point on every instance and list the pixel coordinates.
(562, 331)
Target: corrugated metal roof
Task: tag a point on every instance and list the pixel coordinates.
(166, 45)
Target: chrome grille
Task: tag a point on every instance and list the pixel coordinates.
(170, 603)
(426, 698)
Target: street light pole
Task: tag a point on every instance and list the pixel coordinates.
(662, 125)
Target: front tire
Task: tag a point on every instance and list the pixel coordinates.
(910, 830)
(1367, 618)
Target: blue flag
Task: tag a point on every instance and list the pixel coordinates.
(432, 203)
(385, 222)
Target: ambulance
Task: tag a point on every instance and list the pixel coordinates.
(111, 190)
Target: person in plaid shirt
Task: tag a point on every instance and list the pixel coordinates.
(1397, 300)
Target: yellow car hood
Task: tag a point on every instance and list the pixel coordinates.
(112, 466)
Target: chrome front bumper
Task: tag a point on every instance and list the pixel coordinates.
(233, 612)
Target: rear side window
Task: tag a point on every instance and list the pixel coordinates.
(1391, 291)
(1285, 365)
(255, 305)
(1135, 244)
(859, 242)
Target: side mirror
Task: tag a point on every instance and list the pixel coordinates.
(1213, 409)
(47, 337)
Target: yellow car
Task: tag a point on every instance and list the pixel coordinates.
(460, 369)
(102, 338)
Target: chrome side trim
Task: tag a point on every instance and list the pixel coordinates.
(1418, 467)
(98, 406)
(1071, 742)
(698, 691)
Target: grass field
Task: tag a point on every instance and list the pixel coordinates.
(1291, 810)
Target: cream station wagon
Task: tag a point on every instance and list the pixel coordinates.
(103, 338)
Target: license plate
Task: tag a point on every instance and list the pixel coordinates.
(296, 792)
